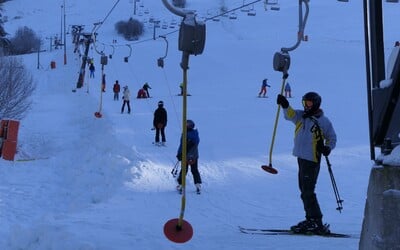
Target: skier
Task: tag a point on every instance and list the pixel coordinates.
(92, 69)
(192, 156)
(288, 90)
(141, 94)
(314, 135)
(181, 87)
(146, 88)
(159, 123)
(116, 90)
(264, 86)
(126, 96)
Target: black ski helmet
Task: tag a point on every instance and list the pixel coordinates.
(316, 100)
(160, 103)
(190, 124)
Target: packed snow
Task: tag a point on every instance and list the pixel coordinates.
(81, 182)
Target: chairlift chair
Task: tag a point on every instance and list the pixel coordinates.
(216, 19)
(271, 2)
(247, 9)
(275, 7)
(343, 0)
(233, 16)
(172, 24)
(251, 13)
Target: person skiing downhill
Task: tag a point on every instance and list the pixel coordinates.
(264, 86)
(288, 90)
(314, 135)
(159, 123)
(192, 156)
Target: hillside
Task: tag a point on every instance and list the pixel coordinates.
(82, 182)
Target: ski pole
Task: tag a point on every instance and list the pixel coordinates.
(339, 201)
(174, 170)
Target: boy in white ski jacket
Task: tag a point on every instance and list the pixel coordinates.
(313, 136)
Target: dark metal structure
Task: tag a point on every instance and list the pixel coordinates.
(87, 38)
(383, 99)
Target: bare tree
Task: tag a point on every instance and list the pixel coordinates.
(16, 88)
(130, 29)
(4, 42)
(25, 41)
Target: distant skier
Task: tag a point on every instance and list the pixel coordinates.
(264, 86)
(159, 123)
(91, 69)
(141, 94)
(126, 98)
(116, 90)
(192, 156)
(288, 90)
(314, 136)
(146, 88)
(181, 87)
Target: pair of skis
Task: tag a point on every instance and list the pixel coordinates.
(261, 231)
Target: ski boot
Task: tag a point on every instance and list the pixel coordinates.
(198, 188)
(311, 226)
(179, 189)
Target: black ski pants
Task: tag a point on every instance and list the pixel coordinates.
(195, 172)
(123, 106)
(162, 132)
(308, 175)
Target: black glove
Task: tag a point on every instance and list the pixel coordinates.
(325, 150)
(179, 157)
(281, 100)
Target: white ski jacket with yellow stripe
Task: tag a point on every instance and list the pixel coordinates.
(305, 134)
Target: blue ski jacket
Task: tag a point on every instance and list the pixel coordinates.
(193, 140)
